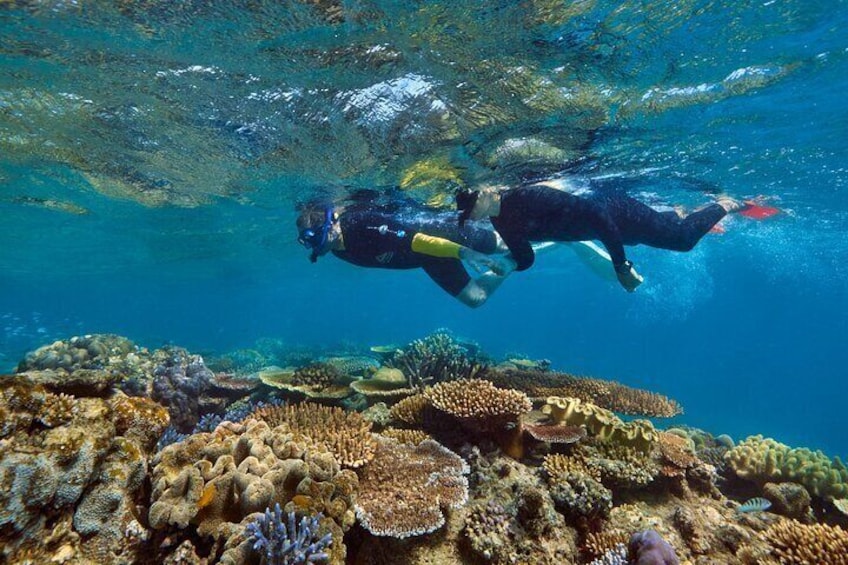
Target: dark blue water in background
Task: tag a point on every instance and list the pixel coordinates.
(747, 331)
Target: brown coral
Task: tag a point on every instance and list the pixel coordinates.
(793, 542)
(555, 433)
(313, 381)
(677, 450)
(598, 544)
(413, 437)
(606, 394)
(411, 411)
(345, 434)
(478, 400)
(404, 488)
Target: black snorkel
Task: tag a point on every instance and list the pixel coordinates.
(318, 241)
(465, 201)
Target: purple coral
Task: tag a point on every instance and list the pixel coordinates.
(648, 548)
(178, 383)
(288, 543)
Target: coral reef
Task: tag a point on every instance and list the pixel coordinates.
(70, 472)
(433, 359)
(92, 472)
(600, 422)
(217, 480)
(347, 435)
(288, 543)
(541, 384)
(762, 460)
(403, 489)
(793, 542)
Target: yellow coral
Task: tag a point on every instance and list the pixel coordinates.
(793, 542)
(600, 422)
(764, 460)
(411, 410)
(476, 399)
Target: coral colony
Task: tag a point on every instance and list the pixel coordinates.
(288, 543)
(428, 453)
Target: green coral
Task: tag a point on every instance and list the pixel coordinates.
(764, 460)
(601, 423)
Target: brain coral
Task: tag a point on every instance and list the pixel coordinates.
(347, 435)
(403, 489)
(217, 480)
(764, 460)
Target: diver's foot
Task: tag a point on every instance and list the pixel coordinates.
(729, 204)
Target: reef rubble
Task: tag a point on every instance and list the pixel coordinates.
(432, 453)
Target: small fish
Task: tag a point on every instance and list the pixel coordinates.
(756, 504)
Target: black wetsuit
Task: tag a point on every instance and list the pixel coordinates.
(540, 213)
(376, 236)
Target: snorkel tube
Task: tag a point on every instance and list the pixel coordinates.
(318, 241)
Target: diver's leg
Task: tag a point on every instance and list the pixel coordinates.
(639, 223)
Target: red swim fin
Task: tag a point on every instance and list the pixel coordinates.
(757, 211)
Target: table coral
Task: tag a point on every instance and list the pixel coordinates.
(403, 489)
(346, 434)
(606, 394)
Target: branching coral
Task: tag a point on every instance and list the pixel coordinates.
(411, 411)
(793, 542)
(435, 358)
(764, 460)
(403, 489)
(478, 401)
(288, 543)
(346, 434)
(605, 394)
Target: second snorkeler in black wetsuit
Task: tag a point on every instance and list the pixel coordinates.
(540, 213)
(406, 237)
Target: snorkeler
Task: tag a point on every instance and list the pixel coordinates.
(407, 236)
(539, 212)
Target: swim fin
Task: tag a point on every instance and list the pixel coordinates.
(756, 211)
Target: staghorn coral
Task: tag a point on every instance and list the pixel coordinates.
(601, 423)
(762, 460)
(597, 544)
(288, 543)
(610, 395)
(435, 358)
(793, 542)
(403, 489)
(345, 434)
(615, 556)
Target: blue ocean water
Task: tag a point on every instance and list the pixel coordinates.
(153, 155)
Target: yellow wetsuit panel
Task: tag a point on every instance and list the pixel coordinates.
(435, 246)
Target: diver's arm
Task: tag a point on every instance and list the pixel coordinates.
(442, 248)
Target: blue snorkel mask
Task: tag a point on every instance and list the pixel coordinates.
(318, 240)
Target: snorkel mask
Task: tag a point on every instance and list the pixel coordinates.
(465, 201)
(318, 240)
